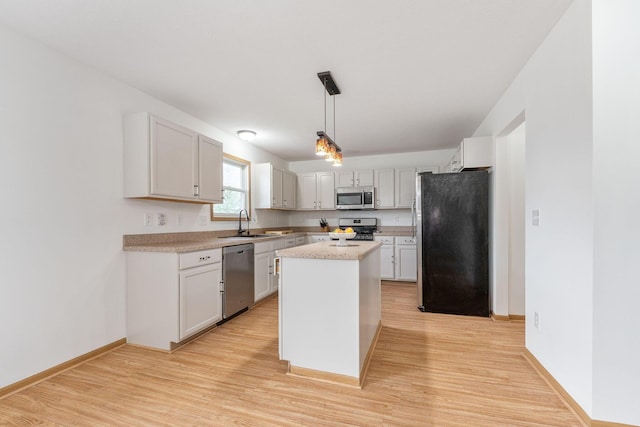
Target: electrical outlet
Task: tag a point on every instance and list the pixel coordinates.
(535, 217)
(536, 320)
(179, 220)
(148, 219)
(161, 219)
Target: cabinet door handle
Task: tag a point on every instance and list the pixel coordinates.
(195, 190)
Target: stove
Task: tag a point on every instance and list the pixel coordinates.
(364, 227)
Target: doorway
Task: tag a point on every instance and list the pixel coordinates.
(508, 277)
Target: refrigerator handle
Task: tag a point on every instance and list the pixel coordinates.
(413, 219)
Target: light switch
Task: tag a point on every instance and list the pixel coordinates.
(535, 217)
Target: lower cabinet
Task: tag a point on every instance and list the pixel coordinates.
(406, 267)
(171, 296)
(200, 302)
(386, 257)
(265, 279)
(398, 258)
(262, 274)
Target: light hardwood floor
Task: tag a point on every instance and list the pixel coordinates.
(427, 370)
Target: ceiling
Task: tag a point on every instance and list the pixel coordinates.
(414, 74)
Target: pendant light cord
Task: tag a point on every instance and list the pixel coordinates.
(325, 105)
(334, 118)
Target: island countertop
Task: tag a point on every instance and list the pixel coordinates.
(356, 250)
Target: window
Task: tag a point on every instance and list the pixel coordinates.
(235, 183)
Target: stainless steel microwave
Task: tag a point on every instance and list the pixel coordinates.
(355, 198)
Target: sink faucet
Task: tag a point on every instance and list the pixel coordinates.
(240, 230)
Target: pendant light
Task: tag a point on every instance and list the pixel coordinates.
(325, 146)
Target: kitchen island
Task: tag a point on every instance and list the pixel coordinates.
(329, 309)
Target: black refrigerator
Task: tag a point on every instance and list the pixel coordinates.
(452, 238)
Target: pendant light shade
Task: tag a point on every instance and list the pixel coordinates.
(331, 154)
(337, 161)
(322, 146)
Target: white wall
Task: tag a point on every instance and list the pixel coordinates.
(63, 215)
(554, 89)
(616, 96)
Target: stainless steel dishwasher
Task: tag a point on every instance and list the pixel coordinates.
(237, 278)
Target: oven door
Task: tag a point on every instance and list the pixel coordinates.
(349, 199)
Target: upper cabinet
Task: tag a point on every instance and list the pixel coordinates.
(361, 178)
(289, 190)
(274, 188)
(316, 190)
(210, 178)
(384, 182)
(405, 187)
(163, 160)
(472, 153)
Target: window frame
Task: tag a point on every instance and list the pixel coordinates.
(247, 165)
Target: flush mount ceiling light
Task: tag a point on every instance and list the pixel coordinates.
(325, 146)
(246, 135)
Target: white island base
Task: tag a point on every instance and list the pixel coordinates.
(329, 310)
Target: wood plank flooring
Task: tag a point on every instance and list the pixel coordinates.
(427, 370)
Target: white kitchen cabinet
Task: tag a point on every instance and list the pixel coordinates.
(359, 178)
(476, 152)
(210, 178)
(262, 273)
(384, 182)
(171, 296)
(273, 186)
(387, 253)
(316, 190)
(200, 301)
(289, 242)
(455, 164)
(326, 190)
(163, 160)
(405, 259)
(289, 190)
(405, 187)
(307, 192)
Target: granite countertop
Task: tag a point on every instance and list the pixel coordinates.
(198, 241)
(356, 250)
(181, 246)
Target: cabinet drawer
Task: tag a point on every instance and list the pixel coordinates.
(193, 259)
(386, 240)
(405, 241)
(289, 242)
(260, 247)
(300, 240)
(278, 244)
